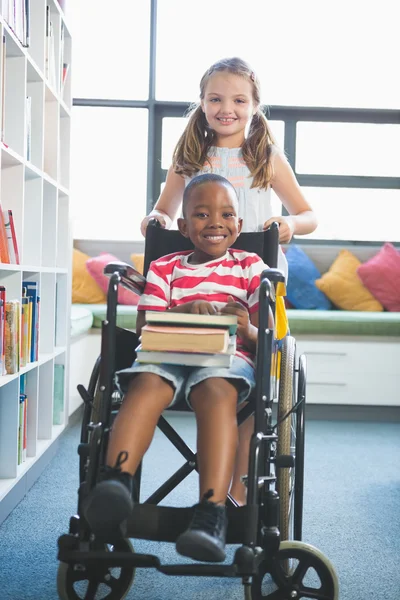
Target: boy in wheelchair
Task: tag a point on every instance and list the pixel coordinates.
(212, 278)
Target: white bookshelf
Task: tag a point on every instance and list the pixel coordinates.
(36, 188)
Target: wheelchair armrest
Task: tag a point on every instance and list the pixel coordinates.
(131, 279)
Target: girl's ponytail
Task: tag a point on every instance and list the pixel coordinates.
(256, 150)
(191, 151)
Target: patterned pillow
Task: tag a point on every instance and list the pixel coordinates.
(381, 276)
(95, 267)
(301, 290)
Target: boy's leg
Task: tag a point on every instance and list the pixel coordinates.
(147, 397)
(238, 490)
(109, 504)
(214, 401)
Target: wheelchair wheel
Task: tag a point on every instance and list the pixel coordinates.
(312, 575)
(94, 581)
(286, 444)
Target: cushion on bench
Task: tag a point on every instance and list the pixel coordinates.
(126, 315)
(81, 319)
(343, 322)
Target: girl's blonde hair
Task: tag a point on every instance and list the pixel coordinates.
(191, 151)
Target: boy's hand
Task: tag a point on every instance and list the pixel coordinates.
(202, 307)
(244, 323)
(286, 227)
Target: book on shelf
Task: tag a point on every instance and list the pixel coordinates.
(30, 290)
(3, 324)
(17, 14)
(25, 354)
(188, 359)
(50, 53)
(12, 336)
(168, 317)
(166, 338)
(4, 252)
(11, 236)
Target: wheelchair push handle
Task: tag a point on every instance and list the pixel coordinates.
(154, 223)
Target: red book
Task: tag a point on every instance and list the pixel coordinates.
(4, 254)
(14, 236)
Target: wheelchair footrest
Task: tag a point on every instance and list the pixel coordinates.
(166, 523)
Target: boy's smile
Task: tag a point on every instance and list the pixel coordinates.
(210, 220)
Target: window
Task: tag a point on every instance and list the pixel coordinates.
(108, 172)
(368, 149)
(355, 214)
(307, 53)
(111, 49)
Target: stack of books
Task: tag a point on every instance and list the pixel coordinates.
(188, 339)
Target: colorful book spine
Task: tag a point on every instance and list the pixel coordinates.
(11, 237)
(11, 333)
(4, 253)
(3, 327)
(24, 331)
(32, 292)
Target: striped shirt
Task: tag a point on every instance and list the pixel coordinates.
(172, 281)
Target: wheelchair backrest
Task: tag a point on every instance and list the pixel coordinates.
(160, 242)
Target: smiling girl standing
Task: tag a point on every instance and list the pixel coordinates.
(228, 134)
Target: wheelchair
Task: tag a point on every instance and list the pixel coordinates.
(271, 560)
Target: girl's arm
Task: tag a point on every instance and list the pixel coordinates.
(169, 201)
(301, 219)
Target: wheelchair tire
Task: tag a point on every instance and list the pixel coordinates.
(313, 577)
(286, 444)
(91, 582)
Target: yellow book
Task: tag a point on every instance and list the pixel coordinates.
(11, 337)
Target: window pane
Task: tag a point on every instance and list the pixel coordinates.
(108, 172)
(348, 149)
(111, 49)
(355, 214)
(308, 53)
(172, 129)
(278, 131)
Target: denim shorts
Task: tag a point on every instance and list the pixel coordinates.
(184, 378)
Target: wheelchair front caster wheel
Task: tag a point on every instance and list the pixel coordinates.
(311, 575)
(94, 581)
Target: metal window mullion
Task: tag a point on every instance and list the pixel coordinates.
(348, 181)
(290, 148)
(151, 106)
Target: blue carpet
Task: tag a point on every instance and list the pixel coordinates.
(352, 514)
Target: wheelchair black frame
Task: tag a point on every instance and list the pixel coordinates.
(256, 526)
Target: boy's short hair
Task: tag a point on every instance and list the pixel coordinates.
(202, 180)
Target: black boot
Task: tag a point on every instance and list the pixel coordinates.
(205, 537)
(109, 504)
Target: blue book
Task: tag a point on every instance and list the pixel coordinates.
(32, 292)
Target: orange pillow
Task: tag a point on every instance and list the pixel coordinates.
(343, 286)
(84, 288)
(138, 262)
